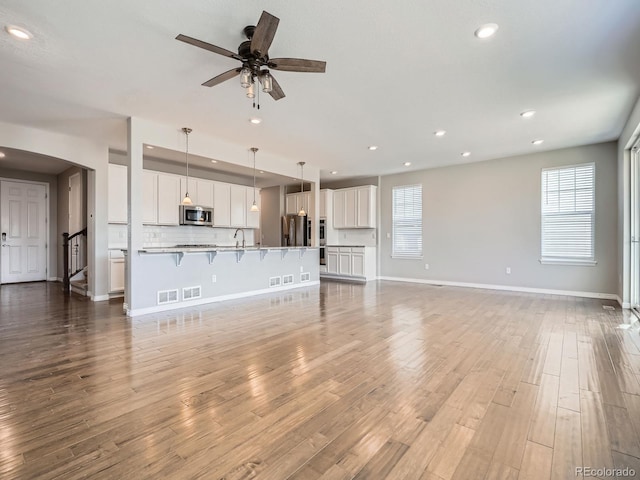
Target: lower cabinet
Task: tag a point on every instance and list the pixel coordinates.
(351, 262)
(116, 271)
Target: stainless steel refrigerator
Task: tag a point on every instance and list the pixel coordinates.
(296, 231)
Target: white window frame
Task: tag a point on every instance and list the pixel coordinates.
(568, 259)
(398, 225)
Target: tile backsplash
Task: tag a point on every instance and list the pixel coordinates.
(165, 236)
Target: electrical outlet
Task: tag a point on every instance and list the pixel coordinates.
(214, 279)
(388, 235)
(301, 269)
(508, 270)
(426, 266)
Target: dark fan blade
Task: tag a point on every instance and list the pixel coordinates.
(222, 77)
(208, 46)
(297, 65)
(264, 33)
(276, 91)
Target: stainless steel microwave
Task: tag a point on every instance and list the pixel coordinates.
(195, 215)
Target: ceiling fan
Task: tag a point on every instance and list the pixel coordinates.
(254, 55)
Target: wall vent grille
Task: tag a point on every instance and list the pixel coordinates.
(275, 282)
(287, 279)
(167, 296)
(189, 293)
(305, 277)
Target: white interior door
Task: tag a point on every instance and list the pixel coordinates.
(23, 226)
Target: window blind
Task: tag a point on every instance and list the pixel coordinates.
(568, 195)
(407, 221)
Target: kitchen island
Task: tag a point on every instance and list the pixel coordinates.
(166, 278)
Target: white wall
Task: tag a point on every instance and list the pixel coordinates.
(482, 217)
(90, 155)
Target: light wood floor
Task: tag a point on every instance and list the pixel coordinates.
(383, 381)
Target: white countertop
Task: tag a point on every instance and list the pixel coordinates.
(216, 249)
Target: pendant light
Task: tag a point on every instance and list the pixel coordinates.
(254, 207)
(302, 213)
(187, 200)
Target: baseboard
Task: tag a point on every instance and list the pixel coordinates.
(99, 298)
(510, 288)
(221, 298)
(625, 305)
(54, 279)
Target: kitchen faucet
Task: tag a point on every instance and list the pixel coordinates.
(235, 235)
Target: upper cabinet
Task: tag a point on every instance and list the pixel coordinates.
(200, 191)
(296, 201)
(221, 204)
(117, 189)
(238, 206)
(168, 199)
(326, 203)
(149, 197)
(355, 207)
(162, 194)
(253, 218)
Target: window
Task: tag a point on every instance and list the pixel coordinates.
(407, 221)
(568, 214)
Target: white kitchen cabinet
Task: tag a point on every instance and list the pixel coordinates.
(365, 207)
(253, 218)
(351, 263)
(339, 203)
(291, 203)
(350, 208)
(116, 271)
(332, 260)
(205, 192)
(200, 191)
(357, 262)
(149, 197)
(326, 203)
(117, 204)
(355, 207)
(238, 206)
(296, 201)
(168, 199)
(344, 261)
(221, 204)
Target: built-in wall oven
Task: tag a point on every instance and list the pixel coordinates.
(322, 232)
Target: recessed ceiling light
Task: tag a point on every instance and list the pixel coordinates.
(2, 155)
(465, 154)
(261, 171)
(440, 133)
(373, 147)
(487, 30)
(214, 161)
(537, 142)
(407, 164)
(18, 32)
(255, 120)
(150, 147)
(528, 113)
(333, 172)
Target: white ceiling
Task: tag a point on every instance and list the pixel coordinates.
(396, 72)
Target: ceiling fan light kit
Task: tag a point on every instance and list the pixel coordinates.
(256, 64)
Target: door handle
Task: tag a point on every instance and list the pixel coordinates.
(4, 236)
